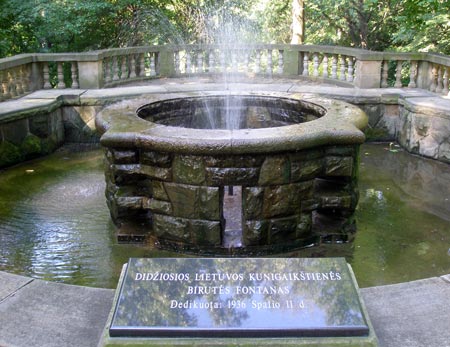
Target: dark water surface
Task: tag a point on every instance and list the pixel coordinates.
(54, 223)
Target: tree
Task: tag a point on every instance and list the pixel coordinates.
(80, 25)
(298, 22)
(357, 23)
(425, 26)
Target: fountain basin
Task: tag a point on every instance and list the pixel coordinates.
(173, 182)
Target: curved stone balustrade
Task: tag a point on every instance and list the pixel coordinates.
(350, 67)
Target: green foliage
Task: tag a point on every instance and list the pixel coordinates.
(31, 146)
(356, 23)
(425, 26)
(9, 154)
(49, 144)
(275, 19)
(80, 25)
(55, 26)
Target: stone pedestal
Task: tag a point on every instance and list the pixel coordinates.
(238, 302)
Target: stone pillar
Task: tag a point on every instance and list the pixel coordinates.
(166, 63)
(90, 74)
(368, 74)
(291, 62)
(424, 74)
(36, 76)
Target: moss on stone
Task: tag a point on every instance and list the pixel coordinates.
(31, 146)
(9, 154)
(376, 134)
(49, 144)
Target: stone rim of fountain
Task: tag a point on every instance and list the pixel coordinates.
(120, 125)
(284, 176)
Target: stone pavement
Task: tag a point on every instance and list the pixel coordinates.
(45, 314)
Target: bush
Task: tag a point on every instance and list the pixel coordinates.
(9, 154)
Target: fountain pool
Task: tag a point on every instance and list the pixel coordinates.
(55, 225)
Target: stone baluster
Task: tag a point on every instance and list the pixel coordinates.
(439, 86)
(269, 67)
(334, 61)
(412, 74)
(74, 75)
(445, 90)
(325, 66)
(234, 63)
(398, 74)
(17, 73)
(25, 77)
(188, 62)
(239, 60)
(212, 62)
(433, 84)
(107, 70)
(350, 70)
(133, 73)
(111, 68)
(5, 86)
(305, 71)
(384, 74)
(199, 61)
(152, 64)
(14, 82)
(177, 62)
(61, 84)
(223, 66)
(258, 61)
(124, 68)
(141, 58)
(46, 75)
(2, 94)
(11, 84)
(115, 67)
(280, 69)
(342, 67)
(316, 64)
(246, 61)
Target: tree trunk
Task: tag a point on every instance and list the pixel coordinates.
(298, 22)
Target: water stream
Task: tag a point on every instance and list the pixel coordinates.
(55, 225)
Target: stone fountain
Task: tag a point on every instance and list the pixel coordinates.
(189, 182)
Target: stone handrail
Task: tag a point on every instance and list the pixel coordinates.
(350, 67)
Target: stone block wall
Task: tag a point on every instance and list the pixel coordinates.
(24, 137)
(79, 123)
(33, 132)
(424, 127)
(180, 198)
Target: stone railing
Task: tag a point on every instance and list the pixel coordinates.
(416, 70)
(350, 67)
(127, 65)
(29, 72)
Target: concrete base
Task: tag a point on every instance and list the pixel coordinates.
(365, 341)
(411, 314)
(40, 313)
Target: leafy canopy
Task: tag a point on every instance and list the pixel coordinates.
(80, 25)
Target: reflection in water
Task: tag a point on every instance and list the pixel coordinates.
(54, 223)
(403, 218)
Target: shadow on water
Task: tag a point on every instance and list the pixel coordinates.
(55, 225)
